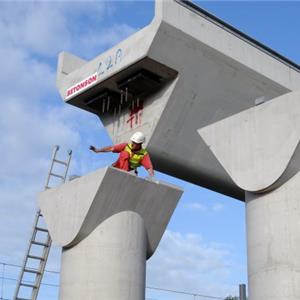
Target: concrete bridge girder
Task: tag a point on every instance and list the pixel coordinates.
(195, 72)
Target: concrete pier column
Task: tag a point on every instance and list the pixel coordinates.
(259, 149)
(108, 224)
(109, 263)
(273, 238)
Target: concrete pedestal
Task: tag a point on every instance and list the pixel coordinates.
(109, 263)
(273, 237)
(108, 223)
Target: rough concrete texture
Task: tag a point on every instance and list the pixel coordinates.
(273, 238)
(73, 210)
(109, 263)
(256, 146)
(208, 73)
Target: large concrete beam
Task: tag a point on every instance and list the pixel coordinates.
(108, 223)
(199, 71)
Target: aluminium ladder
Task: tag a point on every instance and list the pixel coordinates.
(34, 264)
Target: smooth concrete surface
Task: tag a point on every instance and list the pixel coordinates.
(109, 263)
(209, 73)
(273, 238)
(72, 211)
(255, 147)
(67, 63)
(109, 223)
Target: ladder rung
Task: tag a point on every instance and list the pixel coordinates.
(28, 285)
(40, 244)
(35, 257)
(56, 175)
(60, 162)
(32, 271)
(41, 229)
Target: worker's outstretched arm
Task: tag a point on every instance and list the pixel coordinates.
(104, 149)
(147, 164)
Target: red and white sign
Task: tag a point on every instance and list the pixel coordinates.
(82, 85)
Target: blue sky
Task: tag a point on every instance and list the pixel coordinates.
(203, 250)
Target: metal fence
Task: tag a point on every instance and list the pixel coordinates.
(50, 285)
(9, 275)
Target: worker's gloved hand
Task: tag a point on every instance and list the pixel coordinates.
(92, 148)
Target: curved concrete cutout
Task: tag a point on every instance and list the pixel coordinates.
(256, 145)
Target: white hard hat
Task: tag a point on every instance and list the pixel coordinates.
(138, 137)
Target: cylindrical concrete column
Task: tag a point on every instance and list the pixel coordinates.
(109, 263)
(273, 237)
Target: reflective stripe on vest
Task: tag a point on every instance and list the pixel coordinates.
(135, 157)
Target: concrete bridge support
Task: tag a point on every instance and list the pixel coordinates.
(273, 238)
(259, 149)
(109, 263)
(108, 224)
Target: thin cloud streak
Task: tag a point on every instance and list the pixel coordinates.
(187, 262)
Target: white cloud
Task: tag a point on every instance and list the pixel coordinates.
(106, 37)
(217, 207)
(196, 206)
(45, 30)
(39, 27)
(24, 76)
(186, 262)
(28, 132)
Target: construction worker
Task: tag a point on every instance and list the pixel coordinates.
(132, 155)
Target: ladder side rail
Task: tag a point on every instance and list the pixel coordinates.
(26, 256)
(41, 268)
(68, 165)
(56, 148)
